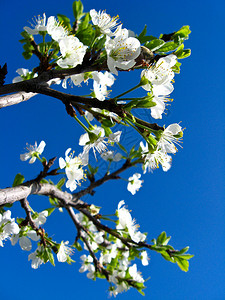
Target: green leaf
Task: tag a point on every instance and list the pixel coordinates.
(142, 34)
(100, 43)
(26, 35)
(28, 47)
(86, 36)
(19, 179)
(183, 32)
(176, 68)
(92, 170)
(185, 53)
(44, 180)
(27, 55)
(141, 292)
(167, 240)
(161, 238)
(53, 201)
(166, 256)
(84, 24)
(167, 47)
(184, 256)
(107, 123)
(78, 246)
(184, 250)
(50, 210)
(49, 256)
(182, 263)
(143, 38)
(78, 10)
(122, 147)
(145, 104)
(64, 21)
(60, 183)
(154, 44)
(108, 131)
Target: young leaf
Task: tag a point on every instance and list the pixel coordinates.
(167, 47)
(183, 32)
(19, 179)
(60, 183)
(182, 263)
(50, 256)
(142, 34)
(161, 238)
(154, 44)
(50, 210)
(78, 10)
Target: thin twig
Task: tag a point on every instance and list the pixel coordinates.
(26, 207)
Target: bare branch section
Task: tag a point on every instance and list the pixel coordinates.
(11, 195)
(15, 98)
(33, 187)
(42, 79)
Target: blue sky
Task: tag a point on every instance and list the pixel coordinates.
(187, 201)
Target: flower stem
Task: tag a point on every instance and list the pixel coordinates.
(130, 90)
(81, 124)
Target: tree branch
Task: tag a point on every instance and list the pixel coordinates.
(25, 206)
(105, 178)
(15, 98)
(45, 77)
(11, 195)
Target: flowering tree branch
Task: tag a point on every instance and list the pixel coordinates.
(95, 48)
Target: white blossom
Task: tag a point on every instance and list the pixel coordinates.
(64, 252)
(101, 81)
(121, 51)
(24, 241)
(109, 255)
(134, 183)
(144, 258)
(126, 221)
(135, 274)
(152, 160)
(36, 261)
(76, 80)
(73, 169)
(39, 25)
(8, 226)
(72, 51)
(119, 289)
(160, 76)
(41, 218)
(105, 23)
(87, 266)
(23, 73)
(172, 134)
(33, 152)
(56, 30)
(109, 156)
(99, 143)
(115, 137)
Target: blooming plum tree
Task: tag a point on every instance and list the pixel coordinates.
(91, 49)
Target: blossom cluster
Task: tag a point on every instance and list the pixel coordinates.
(10, 230)
(173, 133)
(160, 76)
(113, 255)
(8, 227)
(94, 139)
(26, 233)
